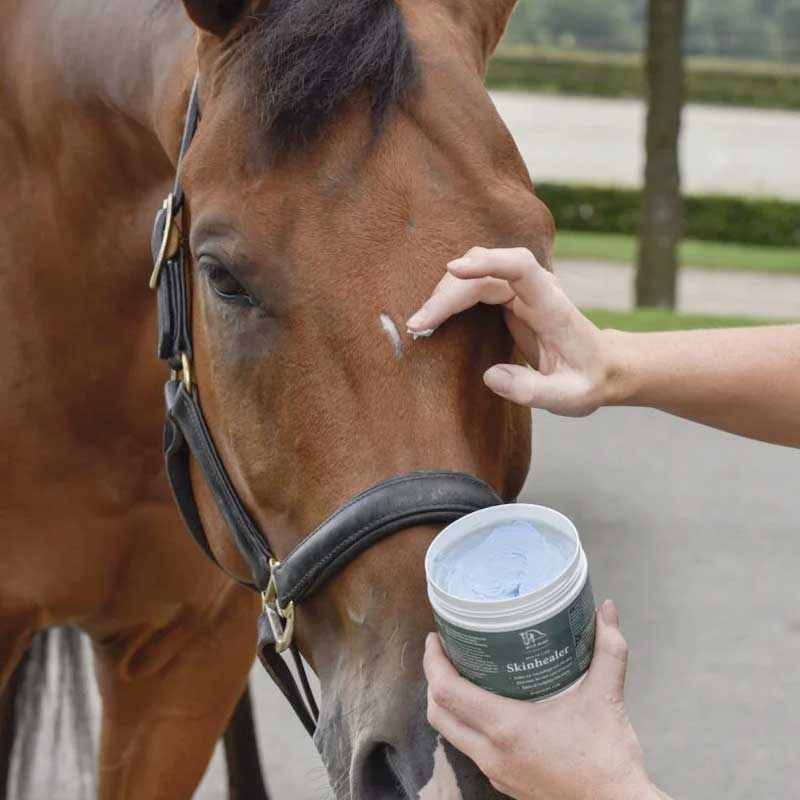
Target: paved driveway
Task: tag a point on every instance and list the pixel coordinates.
(600, 140)
(598, 284)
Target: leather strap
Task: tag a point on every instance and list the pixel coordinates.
(184, 416)
(417, 498)
(187, 432)
(174, 335)
(189, 130)
(282, 677)
(174, 328)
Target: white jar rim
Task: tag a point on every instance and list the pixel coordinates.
(508, 613)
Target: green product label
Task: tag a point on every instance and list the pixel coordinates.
(530, 662)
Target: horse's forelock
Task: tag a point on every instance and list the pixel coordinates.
(303, 59)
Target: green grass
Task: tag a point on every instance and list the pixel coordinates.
(714, 255)
(656, 319)
(592, 208)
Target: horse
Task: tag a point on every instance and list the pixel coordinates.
(345, 151)
(25, 711)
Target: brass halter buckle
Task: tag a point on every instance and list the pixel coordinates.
(184, 373)
(170, 239)
(281, 620)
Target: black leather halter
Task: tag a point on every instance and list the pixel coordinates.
(417, 498)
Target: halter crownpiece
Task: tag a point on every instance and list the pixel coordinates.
(417, 498)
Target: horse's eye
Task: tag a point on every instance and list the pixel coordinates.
(226, 287)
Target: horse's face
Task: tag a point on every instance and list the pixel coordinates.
(307, 262)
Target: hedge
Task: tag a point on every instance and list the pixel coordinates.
(721, 218)
(759, 84)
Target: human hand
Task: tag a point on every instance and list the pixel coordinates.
(567, 352)
(573, 747)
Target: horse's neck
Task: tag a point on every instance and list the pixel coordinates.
(129, 57)
(105, 83)
(92, 97)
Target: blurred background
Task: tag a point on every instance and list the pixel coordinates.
(665, 138)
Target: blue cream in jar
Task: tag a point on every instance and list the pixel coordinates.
(510, 592)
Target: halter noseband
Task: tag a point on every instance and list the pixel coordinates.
(417, 498)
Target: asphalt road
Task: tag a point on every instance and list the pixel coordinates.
(598, 284)
(696, 535)
(599, 140)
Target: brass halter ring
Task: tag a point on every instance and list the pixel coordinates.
(185, 372)
(281, 620)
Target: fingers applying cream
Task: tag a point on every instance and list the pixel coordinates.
(418, 325)
(449, 296)
(452, 296)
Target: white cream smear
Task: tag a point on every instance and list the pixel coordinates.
(443, 784)
(423, 334)
(503, 561)
(387, 323)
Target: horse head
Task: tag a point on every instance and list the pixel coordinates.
(346, 152)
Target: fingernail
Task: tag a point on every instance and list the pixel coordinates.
(429, 639)
(498, 379)
(417, 319)
(609, 613)
(458, 263)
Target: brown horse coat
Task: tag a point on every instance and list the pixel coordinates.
(305, 393)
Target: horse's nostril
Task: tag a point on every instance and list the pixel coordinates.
(379, 780)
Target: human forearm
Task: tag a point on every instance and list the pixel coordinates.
(639, 789)
(654, 793)
(742, 380)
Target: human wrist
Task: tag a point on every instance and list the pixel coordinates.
(640, 789)
(654, 793)
(617, 385)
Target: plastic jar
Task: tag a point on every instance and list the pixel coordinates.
(528, 647)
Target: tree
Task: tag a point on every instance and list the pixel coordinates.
(787, 18)
(662, 205)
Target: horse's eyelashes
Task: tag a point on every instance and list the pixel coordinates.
(226, 286)
(223, 282)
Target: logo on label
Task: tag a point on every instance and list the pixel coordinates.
(533, 638)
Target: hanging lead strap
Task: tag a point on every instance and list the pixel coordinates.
(282, 677)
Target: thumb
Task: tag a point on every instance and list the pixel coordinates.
(606, 676)
(525, 386)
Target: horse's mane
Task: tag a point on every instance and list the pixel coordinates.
(305, 58)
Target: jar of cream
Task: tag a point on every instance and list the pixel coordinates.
(510, 592)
